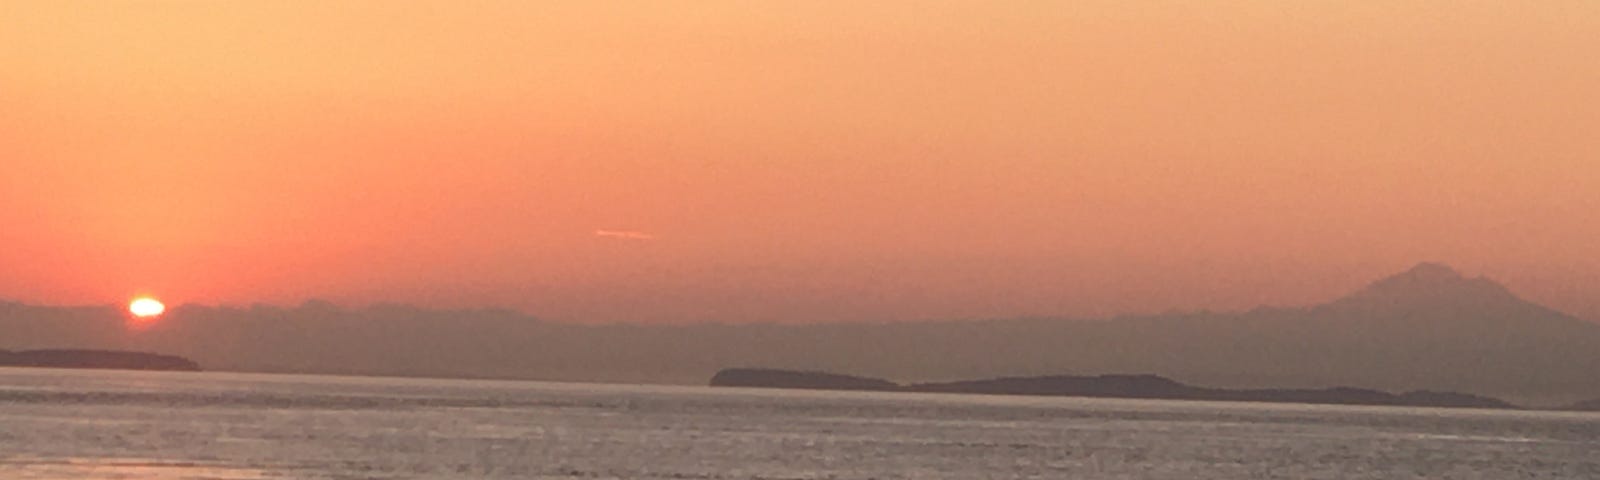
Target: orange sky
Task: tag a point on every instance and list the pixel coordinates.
(749, 161)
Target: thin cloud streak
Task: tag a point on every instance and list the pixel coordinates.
(624, 234)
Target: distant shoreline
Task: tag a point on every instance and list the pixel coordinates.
(1150, 387)
(96, 359)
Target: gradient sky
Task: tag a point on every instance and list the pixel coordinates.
(678, 161)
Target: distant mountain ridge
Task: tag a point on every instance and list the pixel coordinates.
(1427, 328)
(1102, 386)
(1430, 281)
(1431, 288)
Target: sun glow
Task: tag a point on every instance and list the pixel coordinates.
(146, 307)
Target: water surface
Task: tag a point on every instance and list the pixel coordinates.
(79, 424)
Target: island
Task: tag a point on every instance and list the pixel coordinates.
(1102, 386)
(106, 359)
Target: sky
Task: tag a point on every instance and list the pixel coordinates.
(708, 161)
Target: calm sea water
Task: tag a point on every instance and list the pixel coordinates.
(58, 424)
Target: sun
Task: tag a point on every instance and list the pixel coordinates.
(146, 307)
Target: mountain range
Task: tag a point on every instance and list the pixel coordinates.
(1429, 328)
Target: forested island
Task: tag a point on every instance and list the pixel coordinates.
(1102, 386)
(106, 359)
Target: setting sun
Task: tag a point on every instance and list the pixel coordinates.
(146, 307)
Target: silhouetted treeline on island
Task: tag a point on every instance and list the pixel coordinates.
(1103, 386)
(96, 359)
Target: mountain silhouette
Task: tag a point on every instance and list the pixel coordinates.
(1430, 285)
(1432, 291)
(1429, 328)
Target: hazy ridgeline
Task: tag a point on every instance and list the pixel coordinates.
(1428, 328)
